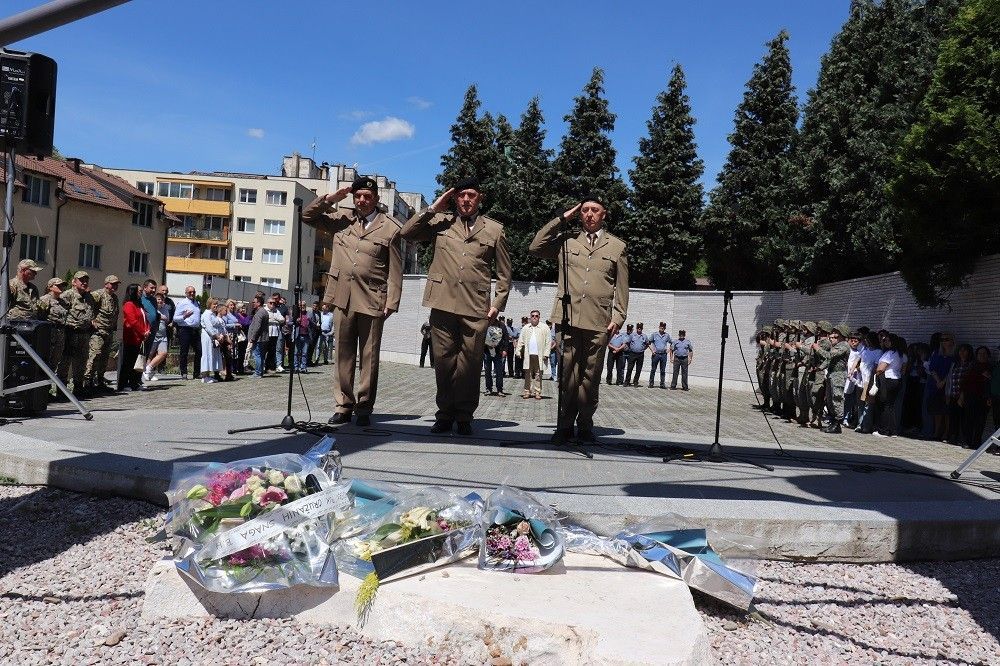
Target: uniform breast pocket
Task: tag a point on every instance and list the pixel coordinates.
(379, 250)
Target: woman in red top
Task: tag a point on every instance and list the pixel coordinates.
(135, 329)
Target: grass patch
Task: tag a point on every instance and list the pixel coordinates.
(8, 481)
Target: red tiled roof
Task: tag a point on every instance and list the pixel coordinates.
(79, 186)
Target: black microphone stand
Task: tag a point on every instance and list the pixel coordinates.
(288, 423)
(715, 453)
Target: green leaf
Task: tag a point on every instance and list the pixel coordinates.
(385, 531)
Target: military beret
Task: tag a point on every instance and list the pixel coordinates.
(29, 264)
(593, 196)
(844, 330)
(823, 326)
(113, 279)
(81, 275)
(364, 183)
(55, 281)
(470, 183)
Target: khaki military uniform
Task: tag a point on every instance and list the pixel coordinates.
(365, 278)
(821, 358)
(791, 370)
(836, 376)
(56, 309)
(596, 279)
(80, 312)
(102, 336)
(23, 300)
(805, 375)
(778, 373)
(458, 293)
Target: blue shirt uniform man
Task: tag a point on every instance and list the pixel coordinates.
(681, 355)
(637, 343)
(660, 342)
(616, 355)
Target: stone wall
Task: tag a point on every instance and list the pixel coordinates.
(877, 301)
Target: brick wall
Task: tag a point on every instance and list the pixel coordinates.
(877, 301)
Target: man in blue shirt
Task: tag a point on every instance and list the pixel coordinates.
(616, 355)
(681, 355)
(187, 319)
(637, 344)
(660, 342)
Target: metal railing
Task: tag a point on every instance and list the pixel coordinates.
(197, 234)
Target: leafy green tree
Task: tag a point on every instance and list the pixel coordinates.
(947, 173)
(663, 236)
(867, 97)
(746, 211)
(586, 160)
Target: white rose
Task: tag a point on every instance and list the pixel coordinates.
(292, 484)
(274, 477)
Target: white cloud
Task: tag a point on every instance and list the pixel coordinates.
(379, 131)
(420, 102)
(255, 133)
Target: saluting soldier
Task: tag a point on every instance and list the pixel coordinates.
(81, 310)
(806, 372)
(56, 310)
(836, 376)
(595, 280)
(466, 243)
(777, 367)
(763, 380)
(23, 293)
(821, 362)
(103, 334)
(363, 285)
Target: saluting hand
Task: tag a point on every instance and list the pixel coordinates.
(336, 197)
(442, 201)
(573, 212)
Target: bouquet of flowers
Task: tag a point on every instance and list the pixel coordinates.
(410, 531)
(519, 533)
(667, 545)
(258, 524)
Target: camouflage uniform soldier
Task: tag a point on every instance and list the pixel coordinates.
(103, 334)
(777, 380)
(836, 376)
(806, 372)
(763, 379)
(56, 309)
(791, 368)
(81, 310)
(23, 294)
(821, 356)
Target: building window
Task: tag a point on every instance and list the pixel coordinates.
(33, 247)
(246, 224)
(247, 195)
(242, 278)
(216, 194)
(138, 262)
(244, 254)
(214, 223)
(275, 198)
(90, 256)
(273, 256)
(274, 227)
(36, 190)
(176, 190)
(145, 187)
(270, 282)
(216, 252)
(144, 212)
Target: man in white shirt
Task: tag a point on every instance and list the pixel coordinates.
(187, 320)
(533, 344)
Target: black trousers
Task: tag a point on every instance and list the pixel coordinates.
(189, 339)
(126, 375)
(634, 362)
(425, 351)
(616, 362)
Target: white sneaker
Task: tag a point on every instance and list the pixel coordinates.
(154, 378)
(279, 369)
(878, 434)
(146, 376)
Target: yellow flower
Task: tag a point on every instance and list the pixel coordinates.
(419, 517)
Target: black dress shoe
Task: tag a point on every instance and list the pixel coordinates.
(586, 436)
(562, 436)
(340, 418)
(833, 429)
(363, 420)
(441, 426)
(465, 428)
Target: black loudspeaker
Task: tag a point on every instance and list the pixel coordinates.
(21, 370)
(27, 102)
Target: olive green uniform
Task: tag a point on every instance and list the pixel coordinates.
(56, 310)
(102, 336)
(23, 300)
(80, 312)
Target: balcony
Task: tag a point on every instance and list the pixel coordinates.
(206, 236)
(194, 265)
(198, 206)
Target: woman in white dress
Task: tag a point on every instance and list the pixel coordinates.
(213, 330)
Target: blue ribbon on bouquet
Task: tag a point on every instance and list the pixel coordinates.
(545, 537)
(693, 541)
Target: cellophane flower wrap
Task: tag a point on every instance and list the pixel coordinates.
(407, 532)
(520, 534)
(258, 524)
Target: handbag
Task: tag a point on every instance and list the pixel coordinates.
(140, 363)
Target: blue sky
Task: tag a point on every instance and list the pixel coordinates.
(227, 85)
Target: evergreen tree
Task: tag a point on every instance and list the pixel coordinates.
(662, 235)
(947, 184)
(586, 160)
(749, 207)
(870, 85)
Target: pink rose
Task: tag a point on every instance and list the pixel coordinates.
(238, 493)
(273, 495)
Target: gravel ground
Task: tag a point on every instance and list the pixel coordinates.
(71, 592)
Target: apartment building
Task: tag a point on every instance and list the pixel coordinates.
(69, 217)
